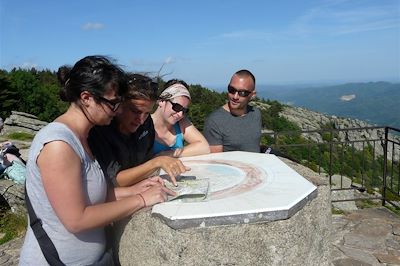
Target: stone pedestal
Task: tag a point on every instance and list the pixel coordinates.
(296, 233)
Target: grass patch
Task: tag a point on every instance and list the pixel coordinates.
(391, 196)
(337, 211)
(367, 203)
(11, 225)
(20, 136)
(393, 209)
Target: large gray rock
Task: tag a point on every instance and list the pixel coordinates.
(22, 122)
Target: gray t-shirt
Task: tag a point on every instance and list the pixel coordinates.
(234, 133)
(74, 249)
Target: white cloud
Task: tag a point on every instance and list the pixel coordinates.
(372, 26)
(152, 63)
(168, 60)
(246, 35)
(93, 26)
(29, 65)
(149, 67)
(346, 17)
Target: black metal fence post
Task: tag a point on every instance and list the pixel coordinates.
(385, 143)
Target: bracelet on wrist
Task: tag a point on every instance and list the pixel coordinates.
(144, 202)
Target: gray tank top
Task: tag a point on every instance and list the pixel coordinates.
(74, 249)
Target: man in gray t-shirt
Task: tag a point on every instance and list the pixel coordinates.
(236, 126)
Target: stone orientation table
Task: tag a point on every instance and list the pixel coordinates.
(259, 211)
(244, 188)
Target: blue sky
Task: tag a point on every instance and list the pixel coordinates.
(204, 42)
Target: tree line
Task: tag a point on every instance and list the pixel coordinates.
(37, 92)
(30, 91)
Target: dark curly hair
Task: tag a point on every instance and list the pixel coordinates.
(95, 74)
(141, 87)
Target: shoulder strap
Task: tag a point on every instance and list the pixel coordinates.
(179, 136)
(177, 128)
(45, 243)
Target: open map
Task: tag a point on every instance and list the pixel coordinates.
(189, 189)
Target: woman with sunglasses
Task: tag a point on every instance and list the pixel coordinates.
(173, 128)
(124, 148)
(69, 202)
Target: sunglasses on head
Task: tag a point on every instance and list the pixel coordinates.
(178, 108)
(112, 104)
(242, 93)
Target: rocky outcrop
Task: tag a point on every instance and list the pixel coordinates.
(13, 195)
(9, 252)
(310, 120)
(22, 122)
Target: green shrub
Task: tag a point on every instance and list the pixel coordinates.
(337, 211)
(20, 136)
(11, 225)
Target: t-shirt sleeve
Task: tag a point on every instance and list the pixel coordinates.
(211, 132)
(102, 150)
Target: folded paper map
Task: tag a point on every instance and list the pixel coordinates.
(189, 189)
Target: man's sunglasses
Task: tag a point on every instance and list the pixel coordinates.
(112, 104)
(178, 108)
(242, 93)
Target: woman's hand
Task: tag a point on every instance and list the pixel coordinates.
(156, 194)
(146, 184)
(118, 193)
(172, 166)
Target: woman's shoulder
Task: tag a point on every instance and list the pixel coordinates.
(53, 132)
(183, 124)
(56, 130)
(48, 129)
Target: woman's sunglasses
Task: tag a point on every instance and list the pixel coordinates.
(178, 108)
(242, 93)
(112, 104)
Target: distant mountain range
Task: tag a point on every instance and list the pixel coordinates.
(375, 102)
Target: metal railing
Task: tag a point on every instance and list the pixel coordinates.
(365, 159)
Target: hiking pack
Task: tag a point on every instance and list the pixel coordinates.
(12, 166)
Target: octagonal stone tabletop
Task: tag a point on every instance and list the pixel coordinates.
(244, 187)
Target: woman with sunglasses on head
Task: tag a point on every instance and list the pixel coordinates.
(69, 202)
(124, 148)
(173, 128)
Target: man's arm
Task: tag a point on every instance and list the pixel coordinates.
(136, 174)
(216, 148)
